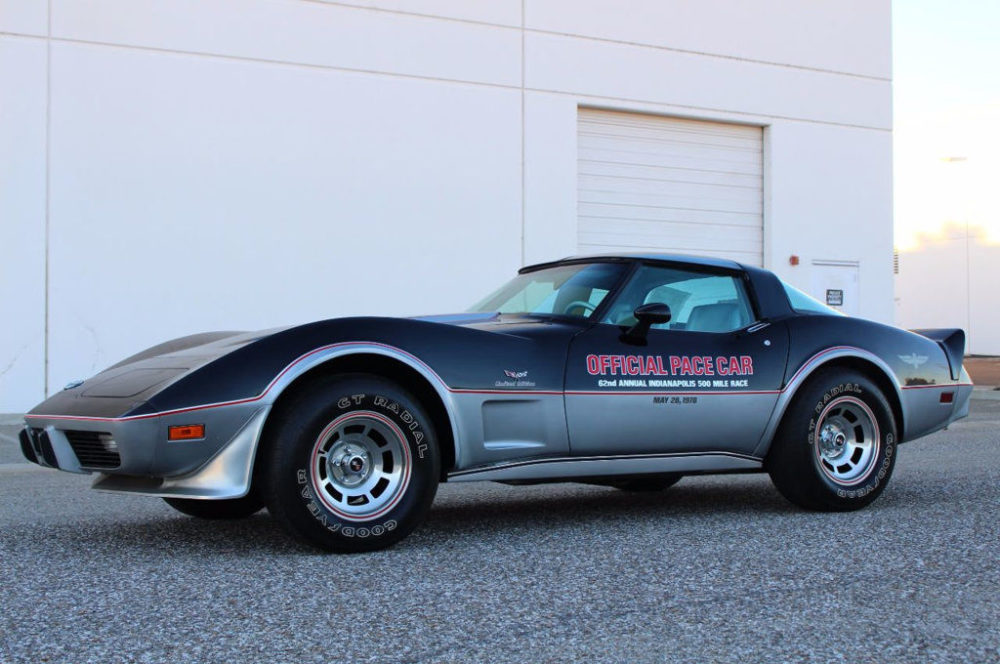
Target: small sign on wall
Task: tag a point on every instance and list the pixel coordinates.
(836, 282)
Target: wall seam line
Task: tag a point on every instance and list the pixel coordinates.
(524, 131)
(756, 118)
(570, 35)
(706, 54)
(605, 40)
(21, 35)
(48, 190)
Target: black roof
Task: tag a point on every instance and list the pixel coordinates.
(706, 261)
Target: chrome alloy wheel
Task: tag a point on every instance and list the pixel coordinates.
(847, 441)
(360, 465)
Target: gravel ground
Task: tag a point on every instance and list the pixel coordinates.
(715, 569)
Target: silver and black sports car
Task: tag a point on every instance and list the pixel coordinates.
(629, 371)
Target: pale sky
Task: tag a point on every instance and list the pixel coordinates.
(946, 116)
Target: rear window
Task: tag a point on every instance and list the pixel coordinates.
(807, 304)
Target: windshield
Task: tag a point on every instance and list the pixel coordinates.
(806, 303)
(569, 290)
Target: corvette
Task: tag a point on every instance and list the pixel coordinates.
(628, 371)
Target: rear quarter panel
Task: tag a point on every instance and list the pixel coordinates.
(916, 367)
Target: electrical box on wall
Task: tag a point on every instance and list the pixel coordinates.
(836, 284)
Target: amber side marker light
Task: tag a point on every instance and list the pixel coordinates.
(186, 432)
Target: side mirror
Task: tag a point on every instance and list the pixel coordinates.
(654, 313)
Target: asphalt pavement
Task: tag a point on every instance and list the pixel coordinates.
(716, 569)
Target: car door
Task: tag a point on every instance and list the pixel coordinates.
(706, 381)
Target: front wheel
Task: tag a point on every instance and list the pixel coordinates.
(836, 446)
(352, 464)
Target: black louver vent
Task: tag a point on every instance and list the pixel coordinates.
(94, 449)
(45, 453)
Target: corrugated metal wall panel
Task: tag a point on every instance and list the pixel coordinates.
(650, 183)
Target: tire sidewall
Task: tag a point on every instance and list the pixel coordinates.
(825, 390)
(292, 486)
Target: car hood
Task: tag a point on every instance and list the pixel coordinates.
(130, 383)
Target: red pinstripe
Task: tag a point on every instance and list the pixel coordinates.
(423, 364)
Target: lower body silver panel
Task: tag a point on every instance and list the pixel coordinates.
(633, 464)
(962, 399)
(225, 475)
(925, 412)
(648, 423)
(497, 427)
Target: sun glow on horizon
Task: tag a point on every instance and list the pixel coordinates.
(947, 174)
(946, 134)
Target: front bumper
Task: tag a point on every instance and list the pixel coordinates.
(133, 455)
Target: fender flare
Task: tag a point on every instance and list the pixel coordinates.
(324, 354)
(808, 368)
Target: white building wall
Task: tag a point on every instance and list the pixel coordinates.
(22, 210)
(948, 235)
(944, 282)
(831, 200)
(240, 164)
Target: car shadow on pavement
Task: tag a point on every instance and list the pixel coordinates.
(496, 513)
(524, 505)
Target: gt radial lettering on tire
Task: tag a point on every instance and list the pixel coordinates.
(360, 466)
(836, 446)
(352, 463)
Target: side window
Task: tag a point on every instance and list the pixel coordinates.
(569, 290)
(699, 302)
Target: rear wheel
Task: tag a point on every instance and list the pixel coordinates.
(235, 508)
(353, 464)
(836, 446)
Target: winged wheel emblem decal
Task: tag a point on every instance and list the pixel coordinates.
(913, 359)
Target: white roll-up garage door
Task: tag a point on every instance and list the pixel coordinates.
(650, 183)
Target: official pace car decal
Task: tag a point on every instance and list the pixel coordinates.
(671, 371)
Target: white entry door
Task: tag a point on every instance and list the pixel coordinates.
(835, 283)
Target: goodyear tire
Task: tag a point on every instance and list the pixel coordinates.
(352, 464)
(236, 508)
(836, 446)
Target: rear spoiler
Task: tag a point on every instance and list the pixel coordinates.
(952, 340)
